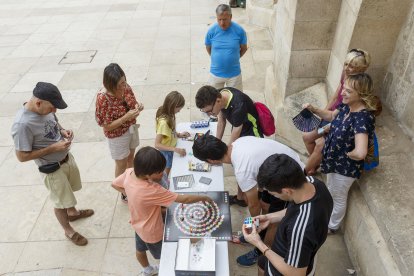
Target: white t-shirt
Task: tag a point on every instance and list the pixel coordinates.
(249, 153)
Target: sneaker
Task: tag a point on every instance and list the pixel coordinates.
(150, 272)
(233, 200)
(248, 259)
(124, 198)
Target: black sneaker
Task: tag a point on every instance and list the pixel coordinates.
(233, 200)
(248, 259)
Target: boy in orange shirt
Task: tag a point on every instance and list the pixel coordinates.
(145, 199)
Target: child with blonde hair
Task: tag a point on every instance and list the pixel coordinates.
(166, 139)
(356, 61)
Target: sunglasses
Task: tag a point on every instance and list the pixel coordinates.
(125, 104)
(361, 53)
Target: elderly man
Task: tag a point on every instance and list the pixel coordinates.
(226, 43)
(246, 155)
(38, 136)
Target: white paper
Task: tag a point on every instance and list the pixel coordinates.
(183, 184)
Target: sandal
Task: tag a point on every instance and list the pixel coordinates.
(234, 200)
(238, 238)
(82, 214)
(78, 239)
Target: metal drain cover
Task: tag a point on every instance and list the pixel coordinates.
(74, 57)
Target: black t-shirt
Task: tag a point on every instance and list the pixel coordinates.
(303, 230)
(241, 111)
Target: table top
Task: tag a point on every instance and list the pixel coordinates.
(180, 167)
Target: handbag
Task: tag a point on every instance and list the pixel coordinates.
(372, 159)
(49, 168)
(133, 129)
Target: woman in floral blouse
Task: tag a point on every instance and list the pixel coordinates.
(116, 112)
(346, 146)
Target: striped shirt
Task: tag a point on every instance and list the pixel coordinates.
(303, 230)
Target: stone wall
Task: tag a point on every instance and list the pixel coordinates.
(398, 85)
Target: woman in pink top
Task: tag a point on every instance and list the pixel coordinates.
(356, 61)
(145, 199)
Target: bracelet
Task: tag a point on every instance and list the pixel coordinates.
(264, 252)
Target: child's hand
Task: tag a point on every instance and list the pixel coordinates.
(207, 199)
(180, 151)
(184, 134)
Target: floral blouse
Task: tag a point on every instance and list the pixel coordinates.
(341, 140)
(109, 108)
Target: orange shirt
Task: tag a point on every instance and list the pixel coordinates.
(144, 202)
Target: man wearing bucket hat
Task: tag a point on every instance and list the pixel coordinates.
(38, 136)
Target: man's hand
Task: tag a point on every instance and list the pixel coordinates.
(67, 134)
(264, 222)
(60, 146)
(252, 236)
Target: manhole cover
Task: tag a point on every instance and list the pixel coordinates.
(74, 57)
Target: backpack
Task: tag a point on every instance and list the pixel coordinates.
(372, 159)
(266, 119)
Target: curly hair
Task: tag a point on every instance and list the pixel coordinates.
(363, 85)
(172, 101)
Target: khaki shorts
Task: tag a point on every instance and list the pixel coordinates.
(62, 183)
(218, 82)
(121, 146)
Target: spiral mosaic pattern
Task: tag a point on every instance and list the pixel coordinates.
(198, 219)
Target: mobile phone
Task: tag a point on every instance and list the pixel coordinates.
(205, 180)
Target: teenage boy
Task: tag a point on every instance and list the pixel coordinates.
(303, 224)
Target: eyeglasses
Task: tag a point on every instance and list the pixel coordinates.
(361, 53)
(125, 104)
(210, 111)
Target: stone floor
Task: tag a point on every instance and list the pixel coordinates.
(160, 45)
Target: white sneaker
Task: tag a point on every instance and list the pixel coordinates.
(153, 271)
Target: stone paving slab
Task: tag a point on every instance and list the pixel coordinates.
(160, 45)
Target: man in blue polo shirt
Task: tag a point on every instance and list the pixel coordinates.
(226, 43)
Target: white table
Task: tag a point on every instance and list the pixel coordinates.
(180, 167)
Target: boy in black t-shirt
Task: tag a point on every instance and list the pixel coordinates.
(230, 104)
(303, 225)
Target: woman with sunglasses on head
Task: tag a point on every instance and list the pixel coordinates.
(356, 61)
(346, 146)
(116, 112)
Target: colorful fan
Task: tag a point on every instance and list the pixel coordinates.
(306, 121)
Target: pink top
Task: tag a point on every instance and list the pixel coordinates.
(144, 202)
(339, 96)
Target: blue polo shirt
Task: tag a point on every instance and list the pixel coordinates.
(225, 49)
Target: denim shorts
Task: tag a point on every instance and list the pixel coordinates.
(154, 248)
(169, 157)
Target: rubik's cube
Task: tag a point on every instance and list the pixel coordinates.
(249, 222)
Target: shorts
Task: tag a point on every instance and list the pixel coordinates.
(154, 248)
(62, 183)
(121, 146)
(219, 82)
(169, 157)
(275, 203)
